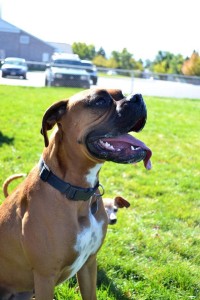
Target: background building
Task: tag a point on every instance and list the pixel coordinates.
(18, 43)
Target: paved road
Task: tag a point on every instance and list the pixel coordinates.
(35, 79)
(151, 87)
(147, 87)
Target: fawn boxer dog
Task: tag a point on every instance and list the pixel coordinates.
(53, 224)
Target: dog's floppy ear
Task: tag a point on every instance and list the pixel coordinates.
(51, 116)
(121, 202)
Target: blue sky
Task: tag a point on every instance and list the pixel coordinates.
(142, 26)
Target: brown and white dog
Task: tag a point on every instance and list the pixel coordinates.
(9, 180)
(112, 205)
(53, 224)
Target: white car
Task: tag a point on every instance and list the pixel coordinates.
(64, 71)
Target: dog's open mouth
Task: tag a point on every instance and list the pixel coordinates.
(121, 149)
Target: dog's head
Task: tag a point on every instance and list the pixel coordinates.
(111, 207)
(97, 122)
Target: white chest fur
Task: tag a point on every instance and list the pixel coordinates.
(87, 243)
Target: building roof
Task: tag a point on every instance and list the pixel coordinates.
(61, 47)
(58, 47)
(7, 27)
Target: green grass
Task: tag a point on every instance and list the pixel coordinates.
(153, 252)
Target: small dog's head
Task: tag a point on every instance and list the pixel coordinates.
(96, 122)
(111, 207)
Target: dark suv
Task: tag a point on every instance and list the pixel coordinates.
(66, 70)
(91, 69)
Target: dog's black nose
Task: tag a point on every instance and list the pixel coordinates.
(113, 221)
(136, 98)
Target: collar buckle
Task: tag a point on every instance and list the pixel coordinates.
(70, 193)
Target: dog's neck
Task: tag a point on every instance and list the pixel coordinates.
(64, 164)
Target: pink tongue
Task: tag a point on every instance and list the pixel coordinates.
(127, 138)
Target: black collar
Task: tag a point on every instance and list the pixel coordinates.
(71, 192)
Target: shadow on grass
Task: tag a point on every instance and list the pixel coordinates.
(5, 139)
(104, 282)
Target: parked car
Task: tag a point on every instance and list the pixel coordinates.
(66, 70)
(91, 69)
(112, 72)
(14, 66)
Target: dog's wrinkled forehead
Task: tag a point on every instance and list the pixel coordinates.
(88, 96)
(114, 93)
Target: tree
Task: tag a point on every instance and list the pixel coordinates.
(116, 56)
(160, 67)
(111, 63)
(84, 51)
(166, 62)
(101, 52)
(126, 61)
(100, 61)
(147, 63)
(191, 66)
(176, 64)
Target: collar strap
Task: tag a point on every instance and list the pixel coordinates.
(70, 191)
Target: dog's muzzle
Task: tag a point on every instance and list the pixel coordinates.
(112, 141)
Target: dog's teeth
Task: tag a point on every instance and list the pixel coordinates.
(134, 148)
(107, 145)
(102, 143)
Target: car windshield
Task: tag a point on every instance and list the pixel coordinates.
(67, 62)
(87, 64)
(15, 62)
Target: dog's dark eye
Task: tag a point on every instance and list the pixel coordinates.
(115, 209)
(101, 102)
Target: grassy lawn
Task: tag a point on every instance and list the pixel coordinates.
(153, 252)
